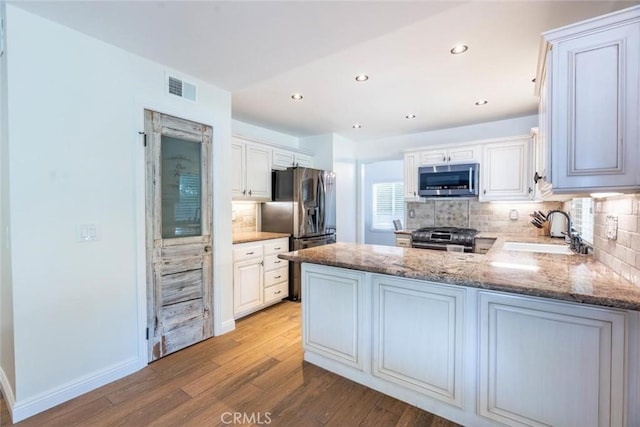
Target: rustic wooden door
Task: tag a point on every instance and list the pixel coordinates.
(178, 230)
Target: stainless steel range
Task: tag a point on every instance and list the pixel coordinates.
(439, 237)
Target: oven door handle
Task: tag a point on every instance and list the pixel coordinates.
(470, 179)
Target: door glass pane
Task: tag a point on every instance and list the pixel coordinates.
(181, 188)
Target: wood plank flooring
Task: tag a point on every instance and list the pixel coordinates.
(255, 372)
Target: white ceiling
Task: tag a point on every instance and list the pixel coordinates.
(264, 51)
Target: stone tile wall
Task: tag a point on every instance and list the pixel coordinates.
(491, 217)
(622, 254)
(244, 216)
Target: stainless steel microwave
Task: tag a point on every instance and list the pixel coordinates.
(448, 180)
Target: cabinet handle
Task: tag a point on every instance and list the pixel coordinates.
(249, 192)
(537, 177)
(530, 190)
(207, 248)
(276, 293)
(444, 159)
(244, 192)
(248, 253)
(276, 249)
(262, 262)
(277, 262)
(484, 191)
(277, 277)
(449, 159)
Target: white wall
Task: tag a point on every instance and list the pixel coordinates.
(7, 361)
(321, 146)
(393, 147)
(344, 165)
(376, 172)
(75, 109)
(264, 134)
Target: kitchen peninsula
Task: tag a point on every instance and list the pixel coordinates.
(510, 337)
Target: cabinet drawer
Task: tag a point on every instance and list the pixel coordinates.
(247, 252)
(276, 276)
(276, 247)
(277, 292)
(271, 262)
(404, 242)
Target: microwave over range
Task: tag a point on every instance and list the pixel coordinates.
(448, 180)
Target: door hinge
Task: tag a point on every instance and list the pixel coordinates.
(144, 142)
(147, 334)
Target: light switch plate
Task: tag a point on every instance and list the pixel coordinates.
(513, 214)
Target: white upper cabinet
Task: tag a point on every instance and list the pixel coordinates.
(251, 171)
(505, 170)
(411, 176)
(443, 156)
(283, 159)
(590, 119)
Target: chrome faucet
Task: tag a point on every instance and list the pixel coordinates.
(572, 237)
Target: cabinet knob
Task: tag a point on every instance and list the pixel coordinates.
(449, 158)
(249, 192)
(484, 191)
(207, 248)
(530, 190)
(276, 293)
(244, 192)
(444, 159)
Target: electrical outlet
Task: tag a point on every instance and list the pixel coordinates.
(412, 213)
(513, 214)
(611, 227)
(87, 233)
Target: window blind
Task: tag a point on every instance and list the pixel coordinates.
(388, 204)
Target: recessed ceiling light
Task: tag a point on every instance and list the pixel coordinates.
(410, 116)
(458, 49)
(483, 102)
(357, 126)
(296, 96)
(362, 78)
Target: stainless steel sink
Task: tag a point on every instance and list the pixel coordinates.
(538, 247)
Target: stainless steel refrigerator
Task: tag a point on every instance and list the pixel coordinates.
(304, 205)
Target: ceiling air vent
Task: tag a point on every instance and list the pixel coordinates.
(180, 88)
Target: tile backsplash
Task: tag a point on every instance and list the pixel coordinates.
(622, 254)
(244, 217)
(491, 217)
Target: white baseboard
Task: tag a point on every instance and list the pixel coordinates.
(41, 402)
(226, 326)
(7, 392)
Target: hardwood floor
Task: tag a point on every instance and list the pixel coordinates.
(255, 374)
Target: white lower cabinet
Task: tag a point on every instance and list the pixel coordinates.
(418, 336)
(260, 278)
(550, 364)
(479, 358)
(333, 306)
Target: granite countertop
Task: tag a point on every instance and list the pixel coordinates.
(256, 236)
(575, 278)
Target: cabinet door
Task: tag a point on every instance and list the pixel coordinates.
(411, 176)
(333, 313)
(418, 336)
(433, 157)
(595, 113)
(465, 154)
(238, 171)
(282, 159)
(506, 170)
(247, 286)
(303, 161)
(258, 172)
(550, 364)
